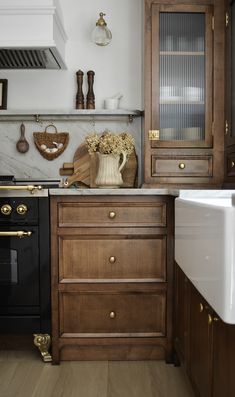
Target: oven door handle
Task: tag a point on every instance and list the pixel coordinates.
(30, 188)
(19, 234)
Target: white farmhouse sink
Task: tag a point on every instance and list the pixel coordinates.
(205, 249)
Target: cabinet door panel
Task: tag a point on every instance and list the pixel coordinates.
(200, 356)
(106, 314)
(112, 258)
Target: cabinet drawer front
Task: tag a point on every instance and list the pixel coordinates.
(116, 214)
(175, 166)
(132, 314)
(110, 258)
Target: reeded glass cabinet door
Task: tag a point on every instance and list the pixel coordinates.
(182, 75)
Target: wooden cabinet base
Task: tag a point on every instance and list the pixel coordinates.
(112, 277)
(113, 349)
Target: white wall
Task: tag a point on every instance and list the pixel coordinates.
(118, 66)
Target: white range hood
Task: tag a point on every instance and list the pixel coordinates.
(32, 35)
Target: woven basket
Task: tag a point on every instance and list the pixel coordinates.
(47, 139)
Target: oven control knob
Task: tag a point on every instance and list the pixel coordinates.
(22, 209)
(6, 209)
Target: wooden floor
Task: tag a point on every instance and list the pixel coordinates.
(23, 374)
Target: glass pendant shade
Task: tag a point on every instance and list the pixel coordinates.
(101, 35)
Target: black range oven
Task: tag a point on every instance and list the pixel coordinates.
(24, 260)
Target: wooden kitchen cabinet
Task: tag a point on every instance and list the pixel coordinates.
(112, 276)
(204, 344)
(200, 344)
(184, 93)
(230, 96)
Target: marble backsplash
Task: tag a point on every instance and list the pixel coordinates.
(33, 165)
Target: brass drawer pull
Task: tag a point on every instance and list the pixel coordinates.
(112, 259)
(19, 234)
(112, 214)
(112, 315)
(6, 209)
(22, 209)
(201, 307)
(182, 166)
(233, 164)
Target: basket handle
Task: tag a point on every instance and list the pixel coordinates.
(51, 125)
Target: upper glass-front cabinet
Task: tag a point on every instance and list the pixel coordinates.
(181, 76)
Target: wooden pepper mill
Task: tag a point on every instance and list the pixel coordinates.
(90, 100)
(79, 96)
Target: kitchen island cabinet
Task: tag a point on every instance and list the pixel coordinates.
(204, 344)
(112, 277)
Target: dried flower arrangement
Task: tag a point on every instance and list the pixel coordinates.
(108, 142)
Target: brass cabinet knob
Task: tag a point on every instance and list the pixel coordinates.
(112, 259)
(216, 319)
(201, 307)
(210, 319)
(6, 209)
(233, 164)
(22, 209)
(182, 166)
(112, 214)
(112, 315)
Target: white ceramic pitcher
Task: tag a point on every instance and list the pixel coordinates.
(109, 172)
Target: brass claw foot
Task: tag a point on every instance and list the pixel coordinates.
(43, 342)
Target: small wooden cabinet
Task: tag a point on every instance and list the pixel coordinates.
(112, 275)
(184, 92)
(204, 344)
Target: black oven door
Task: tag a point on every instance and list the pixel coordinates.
(19, 271)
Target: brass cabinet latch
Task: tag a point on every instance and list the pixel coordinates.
(226, 19)
(154, 135)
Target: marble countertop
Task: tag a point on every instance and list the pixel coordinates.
(143, 191)
(111, 192)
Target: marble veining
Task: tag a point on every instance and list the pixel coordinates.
(33, 165)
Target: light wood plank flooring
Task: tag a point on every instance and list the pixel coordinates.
(23, 374)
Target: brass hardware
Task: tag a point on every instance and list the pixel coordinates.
(22, 209)
(182, 166)
(201, 308)
(213, 23)
(6, 209)
(112, 259)
(154, 135)
(232, 164)
(130, 118)
(112, 214)
(19, 234)
(210, 319)
(30, 188)
(226, 19)
(101, 21)
(112, 315)
(43, 343)
(226, 127)
(216, 319)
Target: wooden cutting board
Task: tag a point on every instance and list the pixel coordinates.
(86, 165)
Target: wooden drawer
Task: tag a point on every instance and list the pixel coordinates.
(176, 166)
(112, 314)
(80, 214)
(112, 258)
